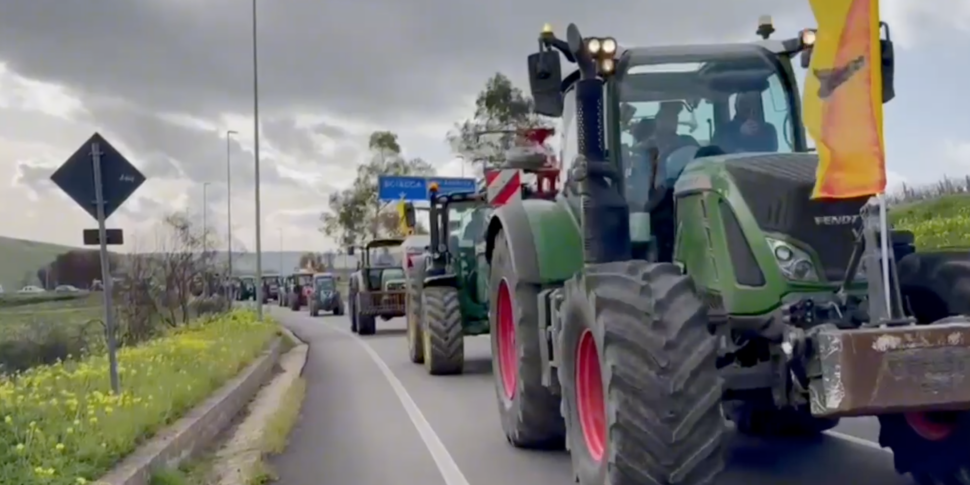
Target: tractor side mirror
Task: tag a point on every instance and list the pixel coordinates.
(888, 56)
(545, 82)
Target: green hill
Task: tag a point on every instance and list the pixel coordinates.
(943, 222)
(20, 259)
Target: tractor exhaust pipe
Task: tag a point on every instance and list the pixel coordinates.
(606, 215)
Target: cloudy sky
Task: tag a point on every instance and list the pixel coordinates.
(164, 79)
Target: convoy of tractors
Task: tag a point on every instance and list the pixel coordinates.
(659, 291)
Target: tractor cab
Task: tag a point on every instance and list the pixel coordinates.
(680, 120)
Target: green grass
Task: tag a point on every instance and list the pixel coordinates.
(19, 257)
(939, 223)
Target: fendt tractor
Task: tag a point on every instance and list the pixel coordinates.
(444, 301)
(665, 284)
(377, 288)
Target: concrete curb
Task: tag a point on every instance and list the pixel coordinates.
(239, 460)
(198, 428)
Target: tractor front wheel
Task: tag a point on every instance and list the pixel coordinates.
(413, 310)
(641, 392)
(933, 447)
(529, 411)
(366, 324)
(444, 340)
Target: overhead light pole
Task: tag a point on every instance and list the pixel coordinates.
(205, 237)
(259, 236)
(228, 277)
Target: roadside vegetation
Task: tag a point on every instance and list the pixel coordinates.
(937, 214)
(61, 424)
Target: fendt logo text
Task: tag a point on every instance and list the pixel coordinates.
(836, 220)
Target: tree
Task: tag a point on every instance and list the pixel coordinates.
(312, 261)
(500, 106)
(79, 267)
(356, 213)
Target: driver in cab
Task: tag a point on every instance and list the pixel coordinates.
(748, 131)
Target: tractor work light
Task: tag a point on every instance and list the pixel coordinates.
(808, 37)
(609, 46)
(594, 46)
(607, 66)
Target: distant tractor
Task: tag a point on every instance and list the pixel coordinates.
(685, 276)
(325, 295)
(377, 288)
(444, 302)
(299, 287)
(247, 288)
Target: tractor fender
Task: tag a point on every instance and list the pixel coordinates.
(441, 280)
(544, 240)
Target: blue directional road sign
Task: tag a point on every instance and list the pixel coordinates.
(119, 178)
(393, 187)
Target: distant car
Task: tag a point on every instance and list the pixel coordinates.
(31, 289)
(66, 289)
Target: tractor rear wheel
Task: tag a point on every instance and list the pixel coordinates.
(366, 324)
(529, 410)
(444, 340)
(641, 392)
(413, 310)
(314, 311)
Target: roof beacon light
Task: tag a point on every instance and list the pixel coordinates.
(433, 187)
(766, 27)
(547, 29)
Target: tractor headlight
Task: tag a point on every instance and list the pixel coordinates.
(808, 37)
(794, 263)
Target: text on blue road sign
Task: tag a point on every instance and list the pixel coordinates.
(394, 187)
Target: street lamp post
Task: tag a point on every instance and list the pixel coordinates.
(229, 134)
(281, 251)
(259, 243)
(205, 237)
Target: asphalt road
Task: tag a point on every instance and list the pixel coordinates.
(373, 418)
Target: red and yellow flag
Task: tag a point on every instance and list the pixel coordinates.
(843, 99)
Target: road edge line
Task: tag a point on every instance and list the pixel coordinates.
(446, 464)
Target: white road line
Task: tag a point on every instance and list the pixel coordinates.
(442, 458)
(857, 441)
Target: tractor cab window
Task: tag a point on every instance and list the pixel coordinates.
(458, 212)
(304, 280)
(472, 226)
(382, 256)
(324, 283)
(672, 113)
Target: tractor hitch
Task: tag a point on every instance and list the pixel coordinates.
(870, 371)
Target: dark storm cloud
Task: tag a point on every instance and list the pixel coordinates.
(296, 141)
(377, 59)
(163, 149)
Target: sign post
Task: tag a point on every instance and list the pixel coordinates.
(100, 179)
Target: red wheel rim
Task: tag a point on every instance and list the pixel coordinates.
(932, 426)
(507, 356)
(589, 396)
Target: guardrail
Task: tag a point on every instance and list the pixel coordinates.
(8, 300)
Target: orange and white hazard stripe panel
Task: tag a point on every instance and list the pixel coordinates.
(503, 186)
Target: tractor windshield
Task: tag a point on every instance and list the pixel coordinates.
(677, 111)
(324, 283)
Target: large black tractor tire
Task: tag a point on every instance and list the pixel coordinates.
(444, 340)
(762, 419)
(413, 309)
(353, 313)
(529, 411)
(339, 309)
(641, 391)
(934, 448)
(295, 303)
(366, 324)
(314, 310)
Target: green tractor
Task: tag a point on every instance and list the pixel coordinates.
(445, 300)
(687, 276)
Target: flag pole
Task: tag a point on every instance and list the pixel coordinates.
(884, 243)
